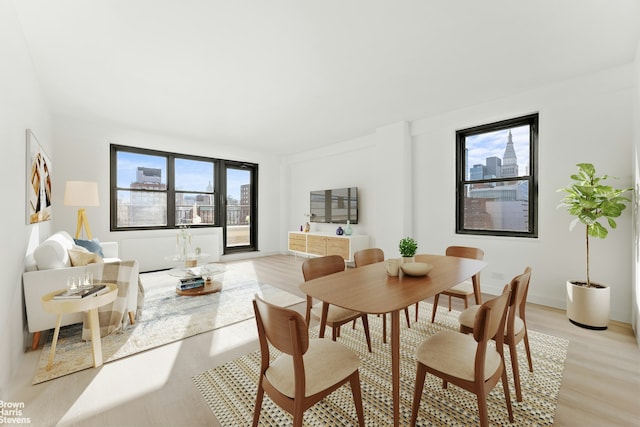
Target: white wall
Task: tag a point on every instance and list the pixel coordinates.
(83, 154)
(378, 164)
(585, 119)
(21, 107)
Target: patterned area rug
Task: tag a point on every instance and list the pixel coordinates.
(230, 389)
(165, 318)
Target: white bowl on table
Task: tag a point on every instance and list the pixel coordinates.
(416, 268)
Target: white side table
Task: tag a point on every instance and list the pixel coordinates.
(90, 304)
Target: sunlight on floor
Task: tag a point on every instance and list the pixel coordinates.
(149, 372)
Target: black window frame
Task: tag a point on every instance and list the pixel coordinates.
(532, 177)
(219, 191)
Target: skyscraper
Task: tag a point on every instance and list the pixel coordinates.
(509, 160)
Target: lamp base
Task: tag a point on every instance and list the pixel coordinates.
(83, 222)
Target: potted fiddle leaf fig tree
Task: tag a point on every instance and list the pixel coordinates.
(591, 201)
(408, 247)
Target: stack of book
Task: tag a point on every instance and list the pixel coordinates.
(80, 293)
(191, 283)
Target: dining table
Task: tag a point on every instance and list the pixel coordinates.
(369, 289)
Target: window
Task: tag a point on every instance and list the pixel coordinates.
(154, 189)
(496, 178)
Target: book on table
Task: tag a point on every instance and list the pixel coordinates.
(190, 283)
(80, 292)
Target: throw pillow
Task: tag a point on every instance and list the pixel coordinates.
(50, 254)
(92, 245)
(81, 256)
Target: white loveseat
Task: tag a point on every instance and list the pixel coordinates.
(48, 270)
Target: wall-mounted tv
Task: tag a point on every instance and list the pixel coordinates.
(335, 206)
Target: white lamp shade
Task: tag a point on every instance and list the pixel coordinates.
(81, 193)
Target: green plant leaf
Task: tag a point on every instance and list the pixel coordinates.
(589, 199)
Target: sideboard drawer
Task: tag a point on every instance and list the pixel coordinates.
(317, 245)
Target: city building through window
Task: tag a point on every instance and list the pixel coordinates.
(496, 178)
(152, 189)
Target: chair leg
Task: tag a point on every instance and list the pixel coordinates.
(258, 407)
(384, 328)
(526, 347)
(435, 307)
(365, 324)
(307, 316)
(513, 352)
(507, 397)
(406, 315)
(298, 412)
(417, 311)
(482, 408)
(449, 302)
(421, 373)
(466, 301)
(298, 416)
(357, 396)
(334, 333)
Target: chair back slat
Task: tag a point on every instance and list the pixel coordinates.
(368, 256)
(490, 318)
(313, 268)
(465, 252)
(280, 326)
(522, 299)
(519, 286)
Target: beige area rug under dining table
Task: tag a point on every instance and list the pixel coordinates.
(166, 317)
(230, 389)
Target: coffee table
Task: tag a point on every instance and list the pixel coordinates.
(89, 304)
(207, 271)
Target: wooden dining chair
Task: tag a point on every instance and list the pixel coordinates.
(465, 289)
(370, 256)
(313, 268)
(515, 329)
(468, 361)
(307, 370)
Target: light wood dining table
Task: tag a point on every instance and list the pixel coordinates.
(369, 289)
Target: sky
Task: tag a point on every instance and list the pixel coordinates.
(199, 174)
(493, 144)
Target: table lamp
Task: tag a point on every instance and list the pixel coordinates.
(82, 194)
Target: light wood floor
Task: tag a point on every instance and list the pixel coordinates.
(600, 385)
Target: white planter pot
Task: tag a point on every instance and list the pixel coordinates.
(588, 307)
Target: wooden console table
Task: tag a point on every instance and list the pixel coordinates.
(322, 244)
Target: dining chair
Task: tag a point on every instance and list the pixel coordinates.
(465, 289)
(468, 361)
(313, 268)
(370, 256)
(307, 370)
(515, 329)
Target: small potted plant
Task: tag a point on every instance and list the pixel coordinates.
(589, 200)
(408, 247)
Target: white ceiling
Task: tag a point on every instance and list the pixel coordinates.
(294, 75)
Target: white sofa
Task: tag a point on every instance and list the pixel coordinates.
(48, 270)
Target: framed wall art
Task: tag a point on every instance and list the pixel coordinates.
(38, 181)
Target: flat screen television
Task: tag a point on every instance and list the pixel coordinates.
(336, 206)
